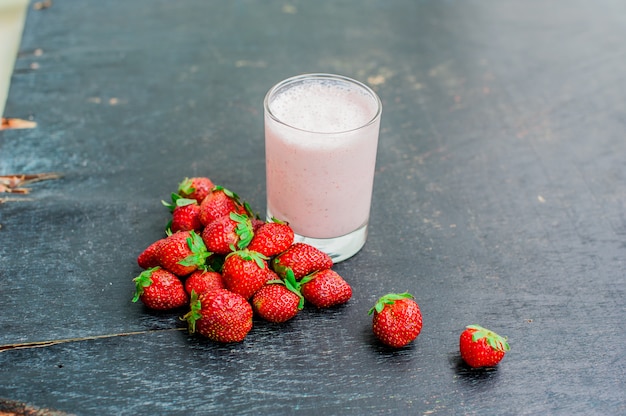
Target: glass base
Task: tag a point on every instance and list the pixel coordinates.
(338, 248)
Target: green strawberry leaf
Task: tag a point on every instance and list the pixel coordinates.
(198, 250)
(178, 201)
(305, 279)
(292, 284)
(258, 258)
(168, 227)
(186, 186)
(279, 268)
(243, 229)
(250, 255)
(495, 341)
(230, 194)
(195, 242)
(194, 314)
(182, 202)
(250, 211)
(388, 299)
(142, 281)
(171, 205)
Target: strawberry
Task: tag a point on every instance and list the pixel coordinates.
(218, 203)
(278, 301)
(481, 347)
(272, 238)
(303, 259)
(182, 253)
(202, 281)
(185, 214)
(244, 272)
(195, 188)
(220, 315)
(325, 288)
(397, 319)
(186, 218)
(159, 289)
(228, 233)
(149, 257)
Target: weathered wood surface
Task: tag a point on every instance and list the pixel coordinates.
(499, 199)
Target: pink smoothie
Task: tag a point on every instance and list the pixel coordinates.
(320, 159)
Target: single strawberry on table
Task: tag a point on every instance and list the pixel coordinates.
(244, 272)
(481, 347)
(159, 289)
(202, 281)
(220, 315)
(272, 238)
(325, 288)
(182, 253)
(397, 319)
(279, 300)
(195, 188)
(302, 259)
(228, 233)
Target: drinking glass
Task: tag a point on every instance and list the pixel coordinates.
(321, 139)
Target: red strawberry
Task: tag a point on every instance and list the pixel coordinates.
(159, 289)
(220, 315)
(245, 272)
(149, 257)
(228, 233)
(303, 259)
(325, 288)
(397, 319)
(195, 188)
(481, 347)
(272, 238)
(218, 203)
(202, 281)
(186, 217)
(182, 253)
(278, 301)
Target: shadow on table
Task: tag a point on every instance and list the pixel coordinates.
(473, 377)
(383, 350)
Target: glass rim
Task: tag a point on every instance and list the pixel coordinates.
(322, 76)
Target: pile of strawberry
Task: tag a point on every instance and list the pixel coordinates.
(226, 265)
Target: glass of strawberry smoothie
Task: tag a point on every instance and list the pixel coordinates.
(321, 137)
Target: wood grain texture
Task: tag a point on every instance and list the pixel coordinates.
(499, 199)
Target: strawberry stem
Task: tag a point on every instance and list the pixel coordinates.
(243, 229)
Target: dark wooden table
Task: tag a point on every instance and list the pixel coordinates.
(500, 199)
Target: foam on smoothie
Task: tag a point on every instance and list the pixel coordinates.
(323, 107)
